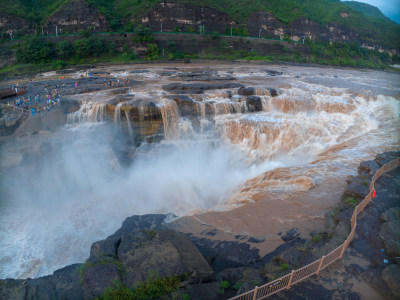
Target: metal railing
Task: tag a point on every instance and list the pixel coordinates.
(285, 282)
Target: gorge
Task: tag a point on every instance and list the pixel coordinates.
(248, 150)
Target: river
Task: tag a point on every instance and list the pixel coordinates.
(222, 165)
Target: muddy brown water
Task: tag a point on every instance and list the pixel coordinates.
(294, 158)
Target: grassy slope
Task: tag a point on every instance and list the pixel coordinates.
(34, 10)
(373, 28)
(366, 9)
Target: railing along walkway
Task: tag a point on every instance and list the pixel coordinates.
(298, 275)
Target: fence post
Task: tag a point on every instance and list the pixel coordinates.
(320, 264)
(255, 293)
(290, 279)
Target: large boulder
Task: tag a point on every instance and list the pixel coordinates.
(358, 188)
(254, 103)
(273, 92)
(246, 91)
(163, 252)
(368, 168)
(187, 105)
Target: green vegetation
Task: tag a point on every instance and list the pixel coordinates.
(34, 10)
(350, 201)
(365, 182)
(316, 238)
(364, 19)
(238, 285)
(151, 288)
(366, 9)
(223, 286)
(284, 267)
(347, 54)
(38, 51)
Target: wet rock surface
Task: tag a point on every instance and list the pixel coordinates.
(197, 88)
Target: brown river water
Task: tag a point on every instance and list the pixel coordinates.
(245, 173)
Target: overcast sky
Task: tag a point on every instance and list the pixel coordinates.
(390, 8)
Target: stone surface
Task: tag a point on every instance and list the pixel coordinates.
(197, 88)
(12, 289)
(246, 91)
(391, 275)
(143, 253)
(76, 15)
(291, 235)
(391, 215)
(186, 17)
(356, 189)
(98, 278)
(390, 235)
(368, 167)
(254, 103)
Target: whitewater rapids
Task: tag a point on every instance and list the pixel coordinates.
(242, 172)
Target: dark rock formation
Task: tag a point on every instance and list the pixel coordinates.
(357, 189)
(274, 92)
(254, 103)
(197, 88)
(391, 275)
(291, 235)
(185, 16)
(96, 278)
(12, 25)
(273, 73)
(76, 15)
(222, 254)
(368, 167)
(390, 230)
(246, 91)
(142, 253)
(187, 106)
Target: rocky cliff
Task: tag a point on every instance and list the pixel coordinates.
(172, 15)
(74, 16)
(347, 24)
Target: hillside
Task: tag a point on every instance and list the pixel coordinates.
(314, 19)
(366, 9)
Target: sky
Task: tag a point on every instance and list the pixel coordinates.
(390, 8)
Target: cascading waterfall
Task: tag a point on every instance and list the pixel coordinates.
(170, 115)
(130, 129)
(117, 116)
(80, 191)
(88, 112)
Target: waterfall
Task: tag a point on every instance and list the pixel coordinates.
(117, 116)
(88, 112)
(129, 125)
(98, 112)
(170, 115)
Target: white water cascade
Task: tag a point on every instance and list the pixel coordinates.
(63, 190)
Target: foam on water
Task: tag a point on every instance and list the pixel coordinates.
(77, 192)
